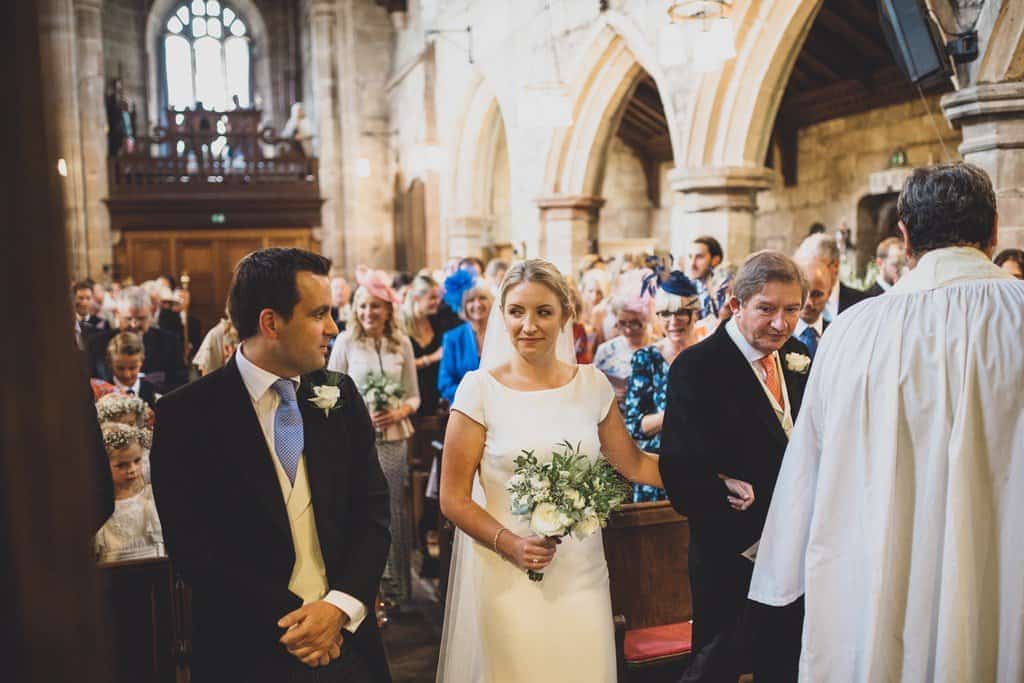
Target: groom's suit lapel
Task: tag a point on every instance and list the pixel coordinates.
(322, 433)
(249, 447)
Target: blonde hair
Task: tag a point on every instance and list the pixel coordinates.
(125, 344)
(420, 285)
(356, 332)
(481, 288)
(543, 273)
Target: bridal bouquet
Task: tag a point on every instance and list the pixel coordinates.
(568, 495)
(381, 392)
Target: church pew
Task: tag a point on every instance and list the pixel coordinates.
(646, 549)
(148, 613)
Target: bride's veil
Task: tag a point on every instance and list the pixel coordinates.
(461, 656)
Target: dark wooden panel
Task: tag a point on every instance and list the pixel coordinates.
(646, 545)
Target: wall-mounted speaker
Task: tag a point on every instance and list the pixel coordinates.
(915, 41)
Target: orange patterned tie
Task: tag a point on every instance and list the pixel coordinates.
(771, 377)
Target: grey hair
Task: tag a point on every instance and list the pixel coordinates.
(134, 297)
(818, 247)
(763, 267)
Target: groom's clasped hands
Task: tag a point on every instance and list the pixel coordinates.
(313, 633)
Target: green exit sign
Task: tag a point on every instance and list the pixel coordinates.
(218, 219)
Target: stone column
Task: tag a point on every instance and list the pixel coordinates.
(93, 122)
(568, 224)
(991, 118)
(467, 236)
(716, 201)
(59, 59)
(324, 45)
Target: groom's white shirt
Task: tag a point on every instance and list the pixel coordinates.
(309, 576)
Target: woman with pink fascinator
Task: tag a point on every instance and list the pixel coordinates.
(375, 353)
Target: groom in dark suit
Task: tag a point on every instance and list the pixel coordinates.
(732, 401)
(273, 504)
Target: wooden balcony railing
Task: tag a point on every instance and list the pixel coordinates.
(203, 153)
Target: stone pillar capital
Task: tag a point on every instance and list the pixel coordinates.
(570, 207)
(990, 115)
(712, 188)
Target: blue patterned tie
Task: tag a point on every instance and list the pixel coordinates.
(810, 339)
(288, 438)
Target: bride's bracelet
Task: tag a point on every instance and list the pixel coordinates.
(494, 543)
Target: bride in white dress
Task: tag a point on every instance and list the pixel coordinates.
(500, 627)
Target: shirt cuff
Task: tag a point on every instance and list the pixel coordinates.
(355, 610)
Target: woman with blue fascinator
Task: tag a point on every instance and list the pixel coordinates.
(677, 305)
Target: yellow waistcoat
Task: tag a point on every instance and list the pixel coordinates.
(309, 575)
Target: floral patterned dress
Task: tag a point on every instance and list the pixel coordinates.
(647, 394)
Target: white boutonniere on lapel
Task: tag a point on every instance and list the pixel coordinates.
(798, 363)
(327, 396)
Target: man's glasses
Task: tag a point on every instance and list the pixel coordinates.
(684, 313)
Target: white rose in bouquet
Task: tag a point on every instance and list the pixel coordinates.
(548, 520)
(576, 498)
(586, 526)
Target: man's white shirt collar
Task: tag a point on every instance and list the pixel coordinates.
(257, 380)
(133, 388)
(749, 352)
(883, 284)
(832, 305)
(819, 326)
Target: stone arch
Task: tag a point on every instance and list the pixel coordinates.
(730, 120)
(482, 134)
(599, 88)
(260, 51)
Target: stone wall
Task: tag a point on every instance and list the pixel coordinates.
(834, 162)
(124, 52)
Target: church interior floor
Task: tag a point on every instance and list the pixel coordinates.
(413, 637)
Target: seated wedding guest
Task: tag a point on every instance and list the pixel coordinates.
(891, 260)
(217, 346)
(677, 304)
(164, 364)
(125, 356)
(824, 249)
(85, 309)
(596, 315)
(614, 357)
(341, 302)
(374, 352)
(495, 273)
(174, 316)
(820, 283)
(133, 532)
(418, 321)
(1012, 261)
(461, 346)
(582, 340)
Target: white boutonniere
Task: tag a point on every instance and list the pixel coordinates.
(798, 362)
(327, 396)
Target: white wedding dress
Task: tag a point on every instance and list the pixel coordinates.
(500, 627)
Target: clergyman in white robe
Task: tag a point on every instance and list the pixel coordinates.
(899, 509)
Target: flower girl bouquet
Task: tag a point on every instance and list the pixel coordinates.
(568, 495)
(381, 392)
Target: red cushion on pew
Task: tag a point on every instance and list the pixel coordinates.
(643, 644)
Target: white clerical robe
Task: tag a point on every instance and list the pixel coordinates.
(899, 509)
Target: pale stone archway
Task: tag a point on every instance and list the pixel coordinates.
(600, 87)
(482, 149)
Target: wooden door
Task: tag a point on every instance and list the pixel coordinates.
(208, 256)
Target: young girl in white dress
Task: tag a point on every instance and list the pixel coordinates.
(133, 531)
(500, 627)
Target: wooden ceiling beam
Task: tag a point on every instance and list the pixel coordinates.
(842, 27)
(807, 59)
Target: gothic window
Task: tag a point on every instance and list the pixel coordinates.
(206, 57)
